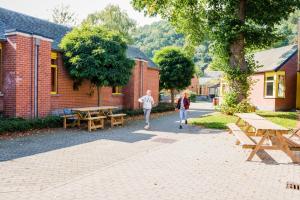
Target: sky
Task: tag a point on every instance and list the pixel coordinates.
(42, 8)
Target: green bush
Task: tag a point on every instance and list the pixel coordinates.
(193, 97)
(161, 107)
(231, 106)
(21, 125)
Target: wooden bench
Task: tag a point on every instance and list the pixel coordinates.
(117, 119)
(95, 122)
(71, 120)
(242, 138)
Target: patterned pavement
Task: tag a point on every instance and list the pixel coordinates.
(131, 163)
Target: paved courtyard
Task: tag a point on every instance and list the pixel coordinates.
(131, 163)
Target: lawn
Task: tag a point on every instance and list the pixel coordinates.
(218, 120)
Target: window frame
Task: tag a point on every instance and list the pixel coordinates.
(118, 90)
(275, 81)
(54, 66)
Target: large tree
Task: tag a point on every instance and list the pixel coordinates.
(62, 14)
(115, 19)
(234, 26)
(98, 55)
(176, 69)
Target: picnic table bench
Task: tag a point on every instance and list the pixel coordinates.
(95, 116)
(251, 124)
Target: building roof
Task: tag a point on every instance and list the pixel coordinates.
(13, 21)
(274, 59)
(135, 53)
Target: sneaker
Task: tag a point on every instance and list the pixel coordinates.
(185, 121)
(180, 127)
(147, 127)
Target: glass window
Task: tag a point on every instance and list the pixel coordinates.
(117, 90)
(53, 73)
(281, 86)
(269, 86)
(275, 84)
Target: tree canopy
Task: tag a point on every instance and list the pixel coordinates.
(98, 55)
(153, 37)
(62, 14)
(113, 18)
(176, 69)
(235, 27)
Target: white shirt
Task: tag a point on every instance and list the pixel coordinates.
(147, 101)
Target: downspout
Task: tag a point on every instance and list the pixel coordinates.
(141, 77)
(36, 60)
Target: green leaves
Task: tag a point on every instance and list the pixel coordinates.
(98, 55)
(176, 68)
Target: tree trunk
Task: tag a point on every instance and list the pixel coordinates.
(99, 95)
(172, 96)
(237, 56)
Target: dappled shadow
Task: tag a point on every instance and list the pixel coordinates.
(130, 133)
(27, 146)
(292, 116)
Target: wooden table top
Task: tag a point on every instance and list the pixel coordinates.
(260, 123)
(96, 108)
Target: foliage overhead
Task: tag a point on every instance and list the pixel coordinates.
(98, 55)
(114, 19)
(176, 68)
(235, 27)
(62, 14)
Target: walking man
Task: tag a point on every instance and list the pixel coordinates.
(147, 102)
(183, 105)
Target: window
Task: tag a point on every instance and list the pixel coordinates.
(53, 73)
(117, 90)
(275, 84)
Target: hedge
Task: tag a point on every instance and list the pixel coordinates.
(22, 125)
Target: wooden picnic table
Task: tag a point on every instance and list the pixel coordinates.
(255, 125)
(94, 115)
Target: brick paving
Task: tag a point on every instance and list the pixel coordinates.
(131, 163)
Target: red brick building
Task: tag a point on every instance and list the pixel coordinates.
(34, 82)
(274, 85)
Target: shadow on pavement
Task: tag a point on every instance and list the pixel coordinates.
(131, 133)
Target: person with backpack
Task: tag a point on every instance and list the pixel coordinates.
(183, 105)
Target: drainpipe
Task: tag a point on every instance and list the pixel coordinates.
(36, 60)
(141, 77)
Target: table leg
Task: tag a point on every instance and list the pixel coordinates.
(285, 148)
(257, 147)
(238, 121)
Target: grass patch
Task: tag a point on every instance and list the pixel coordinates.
(219, 120)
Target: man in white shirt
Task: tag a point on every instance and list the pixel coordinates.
(148, 102)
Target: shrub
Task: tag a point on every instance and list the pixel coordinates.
(21, 125)
(231, 106)
(193, 97)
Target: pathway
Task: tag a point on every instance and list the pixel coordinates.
(131, 163)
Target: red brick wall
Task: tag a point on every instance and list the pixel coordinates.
(69, 98)
(289, 102)
(9, 75)
(18, 66)
(194, 87)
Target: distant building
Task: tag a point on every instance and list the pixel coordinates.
(210, 83)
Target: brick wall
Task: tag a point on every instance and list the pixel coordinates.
(18, 84)
(289, 102)
(69, 98)
(194, 87)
